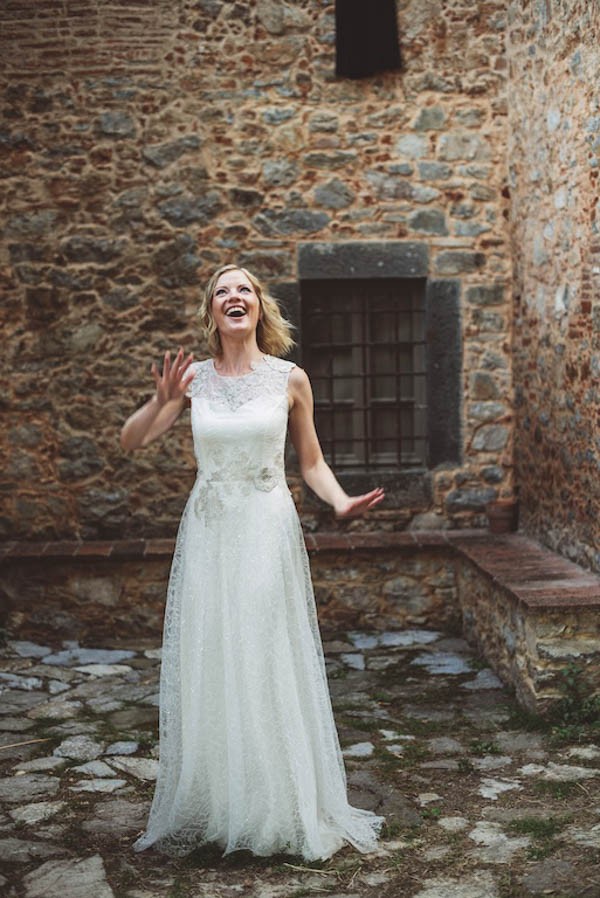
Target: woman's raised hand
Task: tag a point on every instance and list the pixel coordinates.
(174, 381)
(357, 505)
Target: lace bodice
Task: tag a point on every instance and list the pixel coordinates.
(239, 426)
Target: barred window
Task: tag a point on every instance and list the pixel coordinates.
(363, 346)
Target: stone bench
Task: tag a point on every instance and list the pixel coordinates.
(528, 610)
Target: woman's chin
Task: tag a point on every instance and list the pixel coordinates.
(237, 331)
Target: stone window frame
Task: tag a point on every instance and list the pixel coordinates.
(319, 260)
(365, 423)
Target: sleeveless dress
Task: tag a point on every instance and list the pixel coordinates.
(249, 753)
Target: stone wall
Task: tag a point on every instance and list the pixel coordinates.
(93, 599)
(554, 59)
(143, 144)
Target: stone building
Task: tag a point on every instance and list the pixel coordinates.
(450, 206)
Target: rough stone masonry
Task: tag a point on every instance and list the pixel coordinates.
(144, 144)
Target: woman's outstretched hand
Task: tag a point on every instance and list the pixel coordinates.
(173, 382)
(357, 505)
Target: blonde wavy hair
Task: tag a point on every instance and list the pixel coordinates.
(273, 333)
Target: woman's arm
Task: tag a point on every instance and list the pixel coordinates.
(159, 413)
(313, 467)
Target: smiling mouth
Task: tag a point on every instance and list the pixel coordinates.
(235, 313)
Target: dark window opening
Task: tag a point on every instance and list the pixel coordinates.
(364, 349)
(366, 37)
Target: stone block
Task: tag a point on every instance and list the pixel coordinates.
(459, 262)
(469, 499)
(412, 146)
(99, 250)
(334, 195)
(338, 159)
(323, 122)
(184, 210)
(486, 294)
(176, 262)
(389, 186)
(463, 145)
(434, 171)
(429, 221)
(430, 118)
(444, 363)
(491, 438)
(116, 124)
(164, 154)
(279, 172)
(293, 221)
(389, 259)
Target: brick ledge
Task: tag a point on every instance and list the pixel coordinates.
(131, 549)
(533, 575)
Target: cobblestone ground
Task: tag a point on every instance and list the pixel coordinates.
(478, 804)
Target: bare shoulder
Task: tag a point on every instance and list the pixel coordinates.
(299, 384)
(298, 378)
(299, 389)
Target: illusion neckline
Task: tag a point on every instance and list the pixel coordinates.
(254, 365)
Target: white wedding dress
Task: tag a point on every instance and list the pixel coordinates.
(249, 754)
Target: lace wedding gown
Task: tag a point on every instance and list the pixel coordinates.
(249, 754)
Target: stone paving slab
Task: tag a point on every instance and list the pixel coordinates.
(477, 804)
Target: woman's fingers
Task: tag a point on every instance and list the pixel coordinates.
(157, 376)
(179, 380)
(172, 382)
(166, 365)
(358, 505)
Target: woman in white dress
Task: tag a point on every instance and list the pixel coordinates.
(249, 753)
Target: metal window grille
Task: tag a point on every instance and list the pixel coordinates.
(363, 344)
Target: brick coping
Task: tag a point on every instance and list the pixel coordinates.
(533, 575)
(131, 549)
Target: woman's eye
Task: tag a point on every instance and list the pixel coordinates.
(246, 289)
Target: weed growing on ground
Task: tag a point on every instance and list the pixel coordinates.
(559, 790)
(575, 717)
(307, 892)
(386, 758)
(146, 739)
(542, 830)
(178, 889)
(414, 726)
(396, 859)
(412, 753)
(337, 674)
(478, 663)
(384, 697)
(391, 830)
(360, 723)
(431, 813)
(483, 747)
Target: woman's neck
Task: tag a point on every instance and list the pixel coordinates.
(237, 357)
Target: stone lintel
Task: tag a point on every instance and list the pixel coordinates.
(360, 259)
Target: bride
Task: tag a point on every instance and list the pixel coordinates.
(249, 753)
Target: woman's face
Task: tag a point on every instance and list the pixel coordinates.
(235, 305)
